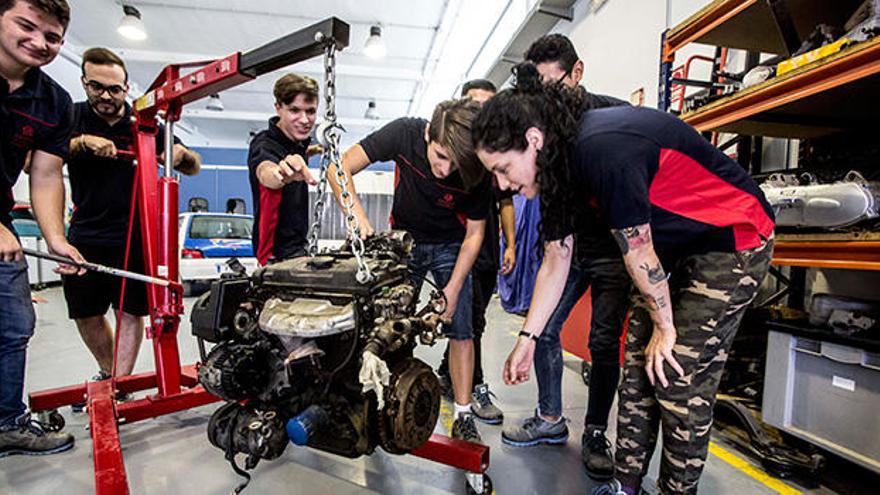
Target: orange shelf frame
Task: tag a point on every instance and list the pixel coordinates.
(848, 255)
(702, 22)
(852, 64)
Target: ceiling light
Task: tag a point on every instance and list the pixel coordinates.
(131, 26)
(371, 112)
(375, 46)
(214, 103)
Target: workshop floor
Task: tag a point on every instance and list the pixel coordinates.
(171, 454)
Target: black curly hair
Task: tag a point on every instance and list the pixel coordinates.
(554, 109)
(553, 48)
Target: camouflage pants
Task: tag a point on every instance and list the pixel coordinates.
(709, 295)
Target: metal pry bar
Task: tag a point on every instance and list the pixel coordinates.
(98, 268)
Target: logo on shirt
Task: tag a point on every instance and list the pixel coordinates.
(446, 201)
(24, 138)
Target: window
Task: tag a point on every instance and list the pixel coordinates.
(209, 227)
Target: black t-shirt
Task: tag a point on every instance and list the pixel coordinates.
(101, 187)
(432, 210)
(594, 239)
(490, 252)
(38, 116)
(281, 216)
(645, 166)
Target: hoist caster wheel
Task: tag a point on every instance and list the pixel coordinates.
(586, 371)
(487, 487)
(53, 419)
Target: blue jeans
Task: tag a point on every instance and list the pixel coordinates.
(439, 261)
(610, 300)
(17, 321)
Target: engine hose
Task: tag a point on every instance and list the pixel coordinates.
(230, 455)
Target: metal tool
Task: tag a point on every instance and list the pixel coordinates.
(98, 268)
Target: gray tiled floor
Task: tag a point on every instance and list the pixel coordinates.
(171, 454)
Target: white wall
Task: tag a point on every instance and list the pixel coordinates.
(620, 43)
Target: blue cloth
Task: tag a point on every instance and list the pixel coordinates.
(515, 288)
(439, 261)
(17, 321)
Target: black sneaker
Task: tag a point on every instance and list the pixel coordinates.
(465, 429)
(30, 437)
(482, 406)
(596, 454)
(80, 406)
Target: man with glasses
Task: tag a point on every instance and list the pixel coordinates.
(597, 263)
(101, 180)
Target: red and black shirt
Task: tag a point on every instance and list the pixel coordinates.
(645, 166)
(432, 210)
(101, 187)
(35, 117)
(281, 216)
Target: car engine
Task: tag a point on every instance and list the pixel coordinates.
(305, 353)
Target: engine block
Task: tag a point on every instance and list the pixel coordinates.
(304, 353)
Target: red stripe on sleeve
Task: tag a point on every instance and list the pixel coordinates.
(684, 187)
(270, 200)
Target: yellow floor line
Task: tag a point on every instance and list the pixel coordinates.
(446, 416)
(751, 471)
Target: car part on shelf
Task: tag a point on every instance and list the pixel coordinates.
(844, 315)
(800, 202)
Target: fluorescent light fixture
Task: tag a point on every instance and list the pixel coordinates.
(371, 112)
(131, 26)
(214, 103)
(375, 46)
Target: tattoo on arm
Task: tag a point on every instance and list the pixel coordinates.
(657, 302)
(655, 274)
(632, 237)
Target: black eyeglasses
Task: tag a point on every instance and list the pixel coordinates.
(98, 89)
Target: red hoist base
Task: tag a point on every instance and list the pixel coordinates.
(177, 387)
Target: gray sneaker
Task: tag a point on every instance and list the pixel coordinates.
(30, 437)
(482, 406)
(464, 428)
(535, 431)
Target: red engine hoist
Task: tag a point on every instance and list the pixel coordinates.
(157, 202)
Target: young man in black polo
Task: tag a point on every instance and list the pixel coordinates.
(445, 219)
(101, 185)
(597, 264)
(35, 121)
(278, 172)
(485, 276)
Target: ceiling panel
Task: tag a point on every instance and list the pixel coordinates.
(187, 30)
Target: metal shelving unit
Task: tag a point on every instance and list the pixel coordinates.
(836, 93)
(840, 92)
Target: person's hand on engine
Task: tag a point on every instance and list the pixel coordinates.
(365, 226)
(451, 303)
